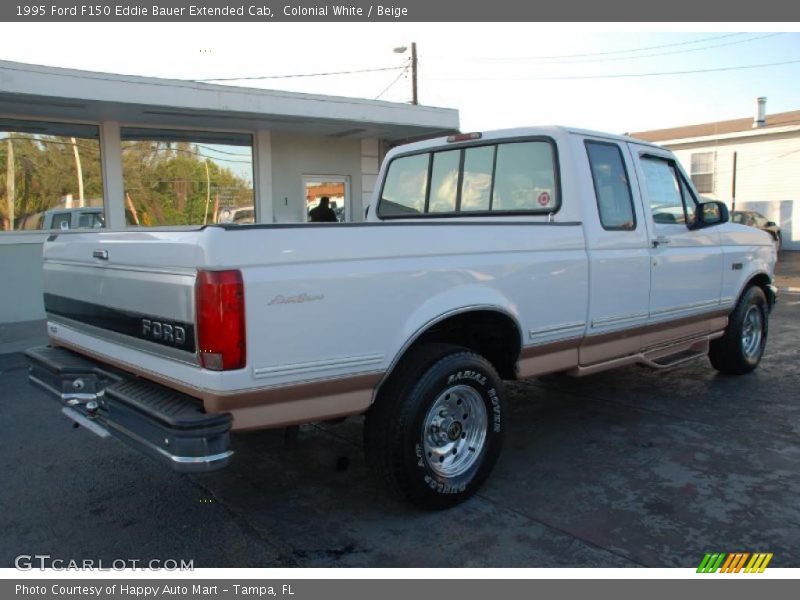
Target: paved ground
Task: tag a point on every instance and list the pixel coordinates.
(625, 468)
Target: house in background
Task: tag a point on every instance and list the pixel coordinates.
(160, 152)
(754, 162)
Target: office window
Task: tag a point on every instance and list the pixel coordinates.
(176, 177)
(702, 172)
(50, 175)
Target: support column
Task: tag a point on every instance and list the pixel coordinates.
(370, 165)
(262, 176)
(113, 186)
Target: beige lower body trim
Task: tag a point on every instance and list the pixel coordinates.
(618, 348)
(548, 358)
(298, 403)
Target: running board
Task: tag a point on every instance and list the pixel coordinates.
(673, 360)
(665, 356)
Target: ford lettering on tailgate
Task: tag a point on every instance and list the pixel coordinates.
(146, 327)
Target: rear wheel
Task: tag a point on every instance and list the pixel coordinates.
(436, 430)
(740, 349)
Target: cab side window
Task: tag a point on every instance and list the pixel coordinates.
(611, 186)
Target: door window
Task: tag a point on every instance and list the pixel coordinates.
(663, 191)
(325, 199)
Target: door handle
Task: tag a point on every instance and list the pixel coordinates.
(661, 240)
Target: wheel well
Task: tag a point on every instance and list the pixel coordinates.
(763, 281)
(492, 334)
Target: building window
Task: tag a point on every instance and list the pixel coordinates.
(50, 176)
(176, 177)
(703, 172)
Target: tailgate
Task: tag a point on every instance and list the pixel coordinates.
(132, 288)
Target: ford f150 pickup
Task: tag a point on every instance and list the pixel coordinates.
(482, 258)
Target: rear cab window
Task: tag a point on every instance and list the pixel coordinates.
(481, 179)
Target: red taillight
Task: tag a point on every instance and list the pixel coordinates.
(220, 320)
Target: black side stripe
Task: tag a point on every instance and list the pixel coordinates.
(166, 332)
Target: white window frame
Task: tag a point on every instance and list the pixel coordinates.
(712, 172)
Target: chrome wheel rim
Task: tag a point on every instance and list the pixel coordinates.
(454, 431)
(752, 332)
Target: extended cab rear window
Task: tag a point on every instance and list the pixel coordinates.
(505, 178)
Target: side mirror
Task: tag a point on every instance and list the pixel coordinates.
(710, 213)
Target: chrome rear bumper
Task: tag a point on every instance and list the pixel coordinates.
(165, 424)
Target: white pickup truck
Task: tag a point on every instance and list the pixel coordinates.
(483, 257)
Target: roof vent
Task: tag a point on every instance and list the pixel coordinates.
(760, 118)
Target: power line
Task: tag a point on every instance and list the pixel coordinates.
(618, 58)
(395, 80)
(608, 53)
(615, 76)
(212, 158)
(295, 75)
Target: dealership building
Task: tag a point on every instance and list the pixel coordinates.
(91, 149)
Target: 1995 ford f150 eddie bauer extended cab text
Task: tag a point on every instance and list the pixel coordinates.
(483, 257)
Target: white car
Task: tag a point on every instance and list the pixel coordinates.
(484, 257)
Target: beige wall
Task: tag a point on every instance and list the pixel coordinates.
(294, 156)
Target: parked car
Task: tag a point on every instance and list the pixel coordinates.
(752, 218)
(87, 217)
(484, 257)
(241, 215)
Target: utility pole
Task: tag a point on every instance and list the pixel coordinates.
(414, 98)
(402, 50)
(10, 184)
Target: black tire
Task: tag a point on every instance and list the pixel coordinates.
(400, 439)
(729, 354)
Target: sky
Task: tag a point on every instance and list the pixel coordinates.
(498, 75)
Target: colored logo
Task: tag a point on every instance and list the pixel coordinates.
(720, 562)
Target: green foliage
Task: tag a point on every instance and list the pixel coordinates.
(167, 183)
(45, 172)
